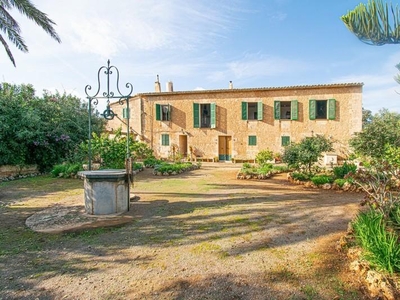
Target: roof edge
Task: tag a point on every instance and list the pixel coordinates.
(316, 86)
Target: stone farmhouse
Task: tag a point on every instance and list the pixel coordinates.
(234, 124)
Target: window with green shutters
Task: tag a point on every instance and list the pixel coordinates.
(252, 140)
(163, 112)
(204, 115)
(252, 110)
(165, 140)
(286, 110)
(285, 141)
(126, 113)
(331, 109)
(322, 109)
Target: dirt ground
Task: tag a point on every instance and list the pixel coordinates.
(198, 235)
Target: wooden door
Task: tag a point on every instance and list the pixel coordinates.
(224, 148)
(183, 145)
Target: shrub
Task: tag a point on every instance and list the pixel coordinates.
(394, 216)
(66, 170)
(340, 181)
(264, 169)
(264, 157)
(246, 166)
(137, 166)
(321, 179)
(379, 182)
(382, 248)
(151, 162)
(300, 176)
(346, 168)
(281, 169)
(165, 167)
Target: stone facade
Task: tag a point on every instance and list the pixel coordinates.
(232, 123)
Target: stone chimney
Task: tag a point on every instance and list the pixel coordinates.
(230, 85)
(157, 85)
(170, 87)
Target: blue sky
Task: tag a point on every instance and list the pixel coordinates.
(203, 44)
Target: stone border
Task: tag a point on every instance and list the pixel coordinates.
(377, 284)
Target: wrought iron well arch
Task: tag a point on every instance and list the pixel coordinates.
(108, 114)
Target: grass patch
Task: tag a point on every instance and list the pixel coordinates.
(209, 248)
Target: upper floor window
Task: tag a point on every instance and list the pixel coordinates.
(163, 112)
(322, 109)
(204, 115)
(252, 110)
(286, 110)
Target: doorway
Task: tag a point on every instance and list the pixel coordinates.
(224, 148)
(183, 145)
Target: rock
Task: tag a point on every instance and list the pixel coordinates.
(378, 286)
(326, 186)
(346, 186)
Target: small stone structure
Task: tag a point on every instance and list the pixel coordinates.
(106, 191)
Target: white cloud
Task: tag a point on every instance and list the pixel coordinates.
(257, 65)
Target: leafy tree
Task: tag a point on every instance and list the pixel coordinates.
(10, 27)
(43, 131)
(381, 131)
(366, 117)
(305, 154)
(375, 23)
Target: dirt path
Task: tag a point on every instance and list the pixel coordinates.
(200, 235)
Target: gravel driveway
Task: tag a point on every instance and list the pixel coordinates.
(199, 235)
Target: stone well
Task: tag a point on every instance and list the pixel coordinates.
(106, 191)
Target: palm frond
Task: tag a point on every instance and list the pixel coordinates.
(5, 45)
(31, 12)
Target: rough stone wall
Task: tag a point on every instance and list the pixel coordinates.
(7, 171)
(229, 122)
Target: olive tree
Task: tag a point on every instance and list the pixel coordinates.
(305, 154)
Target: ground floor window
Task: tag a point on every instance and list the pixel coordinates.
(252, 140)
(285, 141)
(165, 140)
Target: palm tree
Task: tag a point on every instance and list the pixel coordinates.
(10, 27)
(375, 23)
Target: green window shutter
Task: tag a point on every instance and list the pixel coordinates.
(312, 109)
(169, 112)
(165, 139)
(125, 113)
(277, 110)
(331, 109)
(244, 111)
(252, 140)
(285, 140)
(294, 110)
(213, 108)
(158, 112)
(196, 115)
(259, 110)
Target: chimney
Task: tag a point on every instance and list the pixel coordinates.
(170, 87)
(230, 85)
(157, 85)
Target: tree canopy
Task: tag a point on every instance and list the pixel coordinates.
(11, 29)
(304, 154)
(41, 130)
(375, 23)
(382, 131)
